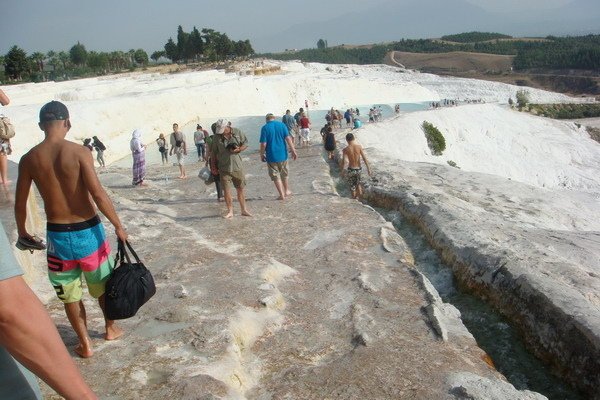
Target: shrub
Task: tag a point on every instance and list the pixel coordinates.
(452, 164)
(435, 139)
(522, 98)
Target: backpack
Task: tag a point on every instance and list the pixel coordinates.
(7, 130)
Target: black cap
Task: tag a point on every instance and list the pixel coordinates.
(53, 111)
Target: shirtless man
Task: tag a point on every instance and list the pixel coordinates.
(64, 174)
(353, 153)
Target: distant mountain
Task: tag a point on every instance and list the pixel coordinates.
(413, 19)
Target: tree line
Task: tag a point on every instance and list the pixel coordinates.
(204, 45)
(574, 52)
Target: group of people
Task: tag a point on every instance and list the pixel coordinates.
(77, 246)
(375, 114)
(95, 144)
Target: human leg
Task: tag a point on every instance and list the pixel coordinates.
(279, 187)
(242, 200)
(112, 331)
(77, 317)
(286, 187)
(199, 150)
(218, 187)
(3, 169)
(226, 184)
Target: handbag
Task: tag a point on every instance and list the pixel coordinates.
(206, 176)
(129, 286)
(7, 130)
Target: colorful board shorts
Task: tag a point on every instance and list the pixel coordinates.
(354, 177)
(74, 249)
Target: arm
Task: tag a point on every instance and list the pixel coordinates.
(4, 100)
(244, 144)
(290, 143)
(30, 336)
(105, 205)
(172, 143)
(22, 193)
(343, 161)
(362, 154)
(263, 148)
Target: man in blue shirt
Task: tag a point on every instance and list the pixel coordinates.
(274, 139)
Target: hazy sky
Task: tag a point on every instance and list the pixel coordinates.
(107, 25)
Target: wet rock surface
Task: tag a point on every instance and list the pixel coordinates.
(311, 298)
(516, 246)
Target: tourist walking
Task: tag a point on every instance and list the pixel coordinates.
(305, 129)
(199, 142)
(178, 146)
(161, 142)
(274, 142)
(212, 162)
(100, 148)
(290, 123)
(352, 155)
(329, 143)
(138, 151)
(227, 146)
(64, 175)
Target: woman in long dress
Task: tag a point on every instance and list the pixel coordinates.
(138, 150)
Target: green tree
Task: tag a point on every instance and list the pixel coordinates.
(182, 40)
(38, 60)
(222, 46)
(522, 98)
(15, 63)
(196, 43)
(78, 54)
(171, 50)
(321, 44)
(157, 55)
(141, 57)
(98, 62)
(64, 59)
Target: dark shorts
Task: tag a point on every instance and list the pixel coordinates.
(354, 177)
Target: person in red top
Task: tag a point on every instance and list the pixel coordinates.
(305, 129)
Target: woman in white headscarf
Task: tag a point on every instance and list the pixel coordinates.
(138, 150)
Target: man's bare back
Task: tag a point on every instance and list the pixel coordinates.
(353, 154)
(62, 170)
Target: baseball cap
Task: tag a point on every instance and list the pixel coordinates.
(53, 111)
(220, 128)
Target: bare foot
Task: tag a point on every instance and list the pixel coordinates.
(83, 351)
(113, 332)
(281, 198)
(228, 215)
(245, 213)
(221, 199)
(288, 193)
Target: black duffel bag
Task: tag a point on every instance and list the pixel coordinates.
(129, 286)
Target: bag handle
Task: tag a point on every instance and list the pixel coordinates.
(122, 252)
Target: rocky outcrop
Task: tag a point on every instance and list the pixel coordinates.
(559, 322)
